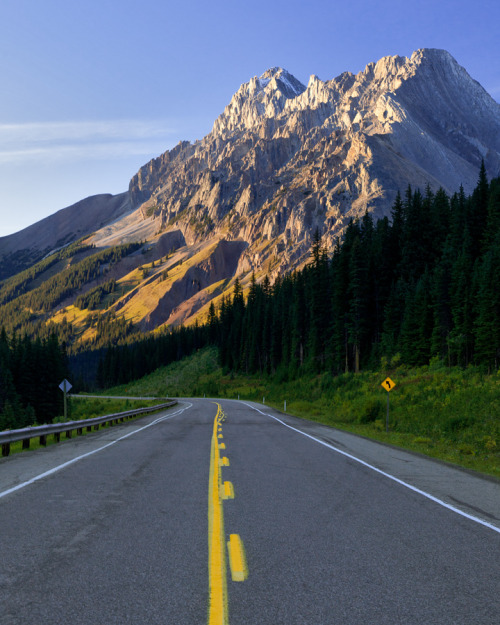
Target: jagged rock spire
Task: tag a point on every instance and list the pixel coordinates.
(261, 97)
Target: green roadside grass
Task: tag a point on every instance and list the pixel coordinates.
(88, 408)
(448, 414)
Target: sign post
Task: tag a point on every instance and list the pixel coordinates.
(65, 387)
(388, 384)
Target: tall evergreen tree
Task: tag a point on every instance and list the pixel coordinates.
(487, 322)
(318, 296)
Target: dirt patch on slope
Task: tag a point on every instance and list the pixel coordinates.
(220, 265)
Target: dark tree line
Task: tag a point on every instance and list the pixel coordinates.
(23, 281)
(120, 364)
(424, 284)
(93, 298)
(30, 374)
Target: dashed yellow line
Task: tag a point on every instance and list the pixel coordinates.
(217, 492)
(228, 491)
(237, 559)
(217, 610)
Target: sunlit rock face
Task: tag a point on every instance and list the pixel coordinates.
(284, 159)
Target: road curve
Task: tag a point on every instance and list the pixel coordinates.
(113, 527)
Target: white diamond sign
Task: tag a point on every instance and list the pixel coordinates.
(65, 386)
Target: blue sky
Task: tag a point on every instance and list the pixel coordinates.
(91, 90)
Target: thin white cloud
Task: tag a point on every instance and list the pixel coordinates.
(119, 149)
(83, 139)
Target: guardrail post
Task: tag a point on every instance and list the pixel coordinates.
(69, 434)
(96, 427)
(89, 428)
(26, 443)
(79, 431)
(43, 440)
(5, 449)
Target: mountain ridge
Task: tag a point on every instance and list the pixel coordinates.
(360, 137)
(285, 159)
(389, 70)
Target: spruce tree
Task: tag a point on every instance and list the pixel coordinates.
(487, 322)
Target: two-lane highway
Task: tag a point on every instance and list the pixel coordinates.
(123, 534)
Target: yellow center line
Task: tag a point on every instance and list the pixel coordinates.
(218, 610)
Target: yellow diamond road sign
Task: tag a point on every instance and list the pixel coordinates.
(388, 384)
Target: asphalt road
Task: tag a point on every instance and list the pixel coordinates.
(121, 534)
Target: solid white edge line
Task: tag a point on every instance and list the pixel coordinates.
(90, 453)
(388, 475)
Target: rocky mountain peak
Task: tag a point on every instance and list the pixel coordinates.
(284, 159)
(433, 55)
(261, 97)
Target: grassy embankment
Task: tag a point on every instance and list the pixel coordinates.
(87, 408)
(450, 414)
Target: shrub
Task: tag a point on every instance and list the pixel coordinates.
(458, 423)
(467, 450)
(371, 410)
(424, 440)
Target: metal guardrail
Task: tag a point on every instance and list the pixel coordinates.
(42, 431)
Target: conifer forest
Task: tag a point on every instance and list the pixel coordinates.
(423, 284)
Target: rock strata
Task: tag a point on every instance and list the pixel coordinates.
(284, 159)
